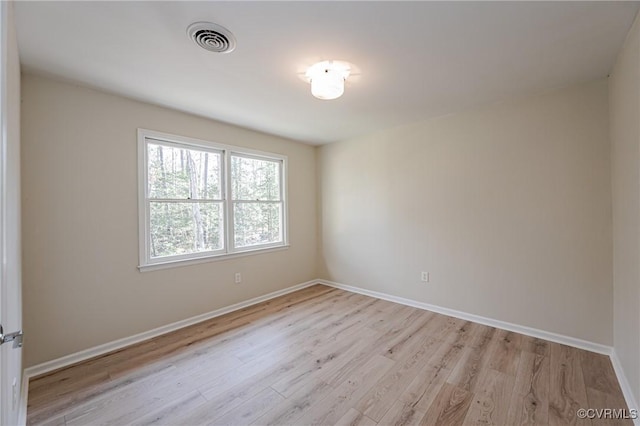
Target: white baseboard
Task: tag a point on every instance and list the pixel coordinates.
(624, 384)
(534, 332)
(65, 361)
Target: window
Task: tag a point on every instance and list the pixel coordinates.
(200, 200)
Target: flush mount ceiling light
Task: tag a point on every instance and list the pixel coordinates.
(327, 79)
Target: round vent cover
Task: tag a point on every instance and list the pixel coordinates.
(212, 37)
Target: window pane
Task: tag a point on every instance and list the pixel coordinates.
(182, 228)
(257, 223)
(176, 173)
(253, 179)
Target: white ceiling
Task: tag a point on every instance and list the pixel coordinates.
(414, 60)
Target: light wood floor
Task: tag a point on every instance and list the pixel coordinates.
(326, 356)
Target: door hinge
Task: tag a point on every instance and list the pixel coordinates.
(15, 337)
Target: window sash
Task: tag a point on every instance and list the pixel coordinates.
(254, 246)
(183, 146)
(149, 260)
(280, 164)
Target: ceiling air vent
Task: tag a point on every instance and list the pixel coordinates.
(212, 37)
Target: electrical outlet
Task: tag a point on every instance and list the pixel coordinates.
(238, 277)
(424, 276)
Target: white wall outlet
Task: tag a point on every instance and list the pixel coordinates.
(424, 276)
(238, 277)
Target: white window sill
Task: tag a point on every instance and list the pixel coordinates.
(218, 257)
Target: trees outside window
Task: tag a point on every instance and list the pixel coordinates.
(257, 200)
(199, 199)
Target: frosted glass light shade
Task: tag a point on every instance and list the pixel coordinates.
(327, 85)
(327, 79)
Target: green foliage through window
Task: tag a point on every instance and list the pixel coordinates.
(188, 214)
(256, 197)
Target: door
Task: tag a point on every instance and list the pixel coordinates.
(10, 264)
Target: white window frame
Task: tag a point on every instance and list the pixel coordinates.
(227, 151)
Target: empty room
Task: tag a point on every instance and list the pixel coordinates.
(319, 213)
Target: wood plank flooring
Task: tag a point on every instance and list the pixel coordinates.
(325, 356)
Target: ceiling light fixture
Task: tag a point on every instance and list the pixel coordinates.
(327, 79)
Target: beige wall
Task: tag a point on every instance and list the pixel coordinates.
(624, 100)
(508, 207)
(82, 287)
